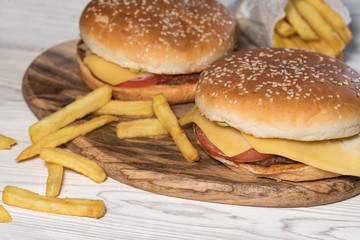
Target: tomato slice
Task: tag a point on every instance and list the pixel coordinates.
(145, 81)
(250, 155)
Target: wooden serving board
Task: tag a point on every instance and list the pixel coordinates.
(155, 164)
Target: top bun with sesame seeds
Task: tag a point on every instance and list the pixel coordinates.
(162, 38)
(159, 36)
(282, 93)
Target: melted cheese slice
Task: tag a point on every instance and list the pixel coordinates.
(229, 140)
(110, 72)
(339, 156)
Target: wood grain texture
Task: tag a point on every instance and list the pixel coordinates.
(155, 164)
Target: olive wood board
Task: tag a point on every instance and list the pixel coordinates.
(155, 164)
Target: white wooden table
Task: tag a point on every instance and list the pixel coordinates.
(27, 28)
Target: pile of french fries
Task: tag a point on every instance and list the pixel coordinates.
(312, 25)
(66, 124)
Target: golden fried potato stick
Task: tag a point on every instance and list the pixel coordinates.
(4, 215)
(168, 119)
(332, 18)
(288, 43)
(299, 42)
(6, 142)
(75, 110)
(54, 179)
(140, 128)
(321, 46)
(340, 56)
(277, 41)
(284, 28)
(319, 25)
(298, 23)
(64, 135)
(127, 108)
(283, 42)
(76, 162)
(23, 198)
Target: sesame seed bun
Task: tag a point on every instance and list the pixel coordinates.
(164, 37)
(282, 93)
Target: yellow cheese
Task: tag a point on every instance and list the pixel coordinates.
(229, 140)
(339, 156)
(110, 72)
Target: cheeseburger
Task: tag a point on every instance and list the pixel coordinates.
(142, 47)
(285, 114)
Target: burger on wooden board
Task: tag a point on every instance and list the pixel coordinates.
(284, 114)
(142, 47)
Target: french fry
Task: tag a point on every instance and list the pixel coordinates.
(75, 110)
(340, 56)
(299, 42)
(283, 42)
(168, 119)
(321, 46)
(76, 162)
(277, 40)
(298, 23)
(127, 108)
(6, 142)
(140, 128)
(23, 198)
(284, 28)
(332, 18)
(64, 135)
(54, 179)
(288, 43)
(313, 45)
(319, 25)
(4, 215)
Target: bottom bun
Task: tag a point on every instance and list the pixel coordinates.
(295, 172)
(174, 94)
